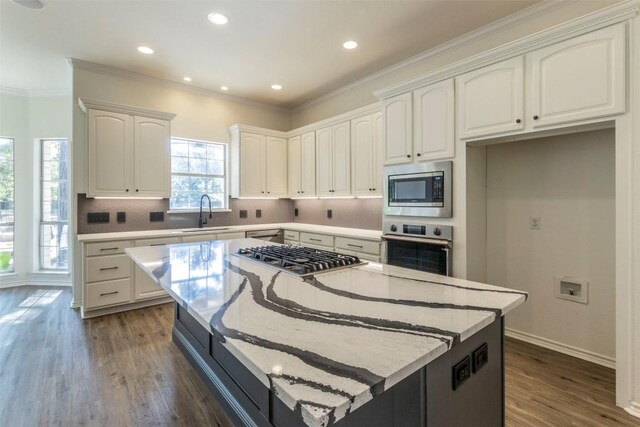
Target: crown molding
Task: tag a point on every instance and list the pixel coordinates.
(131, 75)
(605, 17)
(13, 91)
(255, 129)
(86, 103)
(539, 9)
(376, 107)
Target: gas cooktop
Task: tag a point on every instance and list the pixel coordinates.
(300, 260)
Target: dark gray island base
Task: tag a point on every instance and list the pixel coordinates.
(425, 398)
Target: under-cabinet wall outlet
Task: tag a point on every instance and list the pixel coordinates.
(329, 213)
(572, 289)
(535, 223)
(258, 213)
(243, 213)
(121, 217)
(295, 211)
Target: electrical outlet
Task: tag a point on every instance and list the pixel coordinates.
(329, 213)
(258, 213)
(156, 216)
(243, 213)
(121, 217)
(295, 212)
(535, 223)
(98, 217)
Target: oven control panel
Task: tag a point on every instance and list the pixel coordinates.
(429, 231)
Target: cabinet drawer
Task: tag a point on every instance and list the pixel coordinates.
(199, 238)
(108, 293)
(291, 235)
(157, 242)
(322, 248)
(107, 248)
(108, 268)
(358, 245)
(292, 242)
(231, 236)
(317, 239)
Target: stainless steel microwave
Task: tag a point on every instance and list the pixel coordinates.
(418, 189)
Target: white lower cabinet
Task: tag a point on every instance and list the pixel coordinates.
(107, 275)
(107, 293)
(144, 286)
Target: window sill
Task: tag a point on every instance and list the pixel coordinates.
(183, 211)
(8, 274)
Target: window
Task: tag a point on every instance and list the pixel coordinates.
(54, 204)
(7, 205)
(197, 168)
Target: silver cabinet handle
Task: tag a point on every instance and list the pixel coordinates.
(354, 246)
(158, 244)
(109, 249)
(108, 268)
(315, 240)
(109, 293)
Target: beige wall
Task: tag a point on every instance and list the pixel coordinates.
(569, 182)
(363, 95)
(198, 115)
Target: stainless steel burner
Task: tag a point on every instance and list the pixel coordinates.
(300, 260)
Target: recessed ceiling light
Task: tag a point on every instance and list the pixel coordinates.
(146, 50)
(276, 87)
(218, 18)
(225, 88)
(186, 79)
(350, 44)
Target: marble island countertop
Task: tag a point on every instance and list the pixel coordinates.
(328, 343)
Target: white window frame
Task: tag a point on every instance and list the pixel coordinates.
(12, 270)
(41, 221)
(225, 207)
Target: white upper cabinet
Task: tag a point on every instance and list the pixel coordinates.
(152, 157)
(258, 163)
(433, 121)
(252, 165)
(398, 132)
(333, 160)
(308, 164)
(302, 165)
(276, 167)
(578, 79)
(110, 153)
(491, 100)
(366, 155)
(128, 151)
(420, 125)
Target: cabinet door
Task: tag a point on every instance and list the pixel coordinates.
(433, 119)
(582, 78)
(398, 133)
(308, 170)
(324, 155)
(491, 100)
(341, 159)
(152, 158)
(144, 286)
(252, 165)
(110, 154)
(276, 167)
(362, 157)
(294, 160)
(378, 154)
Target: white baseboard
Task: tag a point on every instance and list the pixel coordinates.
(589, 356)
(633, 409)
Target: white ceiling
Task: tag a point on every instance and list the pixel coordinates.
(297, 44)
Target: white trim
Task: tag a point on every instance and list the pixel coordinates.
(587, 355)
(88, 103)
(633, 409)
(5, 90)
(118, 72)
(591, 22)
(255, 129)
(53, 93)
(376, 107)
(518, 18)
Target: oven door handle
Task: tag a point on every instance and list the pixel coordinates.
(439, 242)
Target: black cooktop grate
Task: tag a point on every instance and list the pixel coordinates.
(299, 259)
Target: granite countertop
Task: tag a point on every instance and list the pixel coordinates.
(328, 343)
(358, 233)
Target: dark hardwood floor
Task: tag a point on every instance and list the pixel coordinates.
(123, 370)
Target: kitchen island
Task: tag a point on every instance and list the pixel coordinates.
(366, 345)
